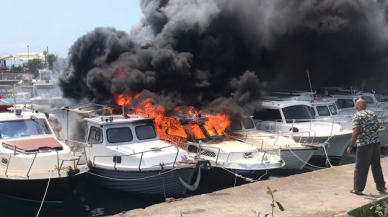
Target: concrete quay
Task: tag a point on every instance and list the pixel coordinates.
(323, 193)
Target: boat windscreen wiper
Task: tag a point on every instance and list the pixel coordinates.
(33, 118)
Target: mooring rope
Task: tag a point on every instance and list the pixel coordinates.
(245, 178)
(324, 148)
(303, 160)
(44, 196)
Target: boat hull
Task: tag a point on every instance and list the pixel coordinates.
(383, 135)
(33, 189)
(293, 163)
(167, 183)
(335, 149)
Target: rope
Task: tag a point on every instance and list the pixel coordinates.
(324, 148)
(44, 196)
(245, 178)
(304, 161)
(132, 179)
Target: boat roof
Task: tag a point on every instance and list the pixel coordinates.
(9, 101)
(8, 116)
(283, 103)
(117, 119)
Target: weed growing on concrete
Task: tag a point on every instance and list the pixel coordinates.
(380, 209)
(273, 204)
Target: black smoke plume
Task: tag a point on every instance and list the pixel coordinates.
(211, 53)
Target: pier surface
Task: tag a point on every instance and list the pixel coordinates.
(321, 193)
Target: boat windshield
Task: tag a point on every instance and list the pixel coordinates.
(248, 123)
(368, 99)
(323, 111)
(145, 132)
(46, 90)
(23, 128)
(299, 113)
(332, 109)
(235, 124)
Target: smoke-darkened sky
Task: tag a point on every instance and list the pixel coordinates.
(200, 52)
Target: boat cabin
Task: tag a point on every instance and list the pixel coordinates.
(129, 143)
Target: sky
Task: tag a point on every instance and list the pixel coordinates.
(57, 24)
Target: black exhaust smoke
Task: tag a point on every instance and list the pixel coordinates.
(211, 53)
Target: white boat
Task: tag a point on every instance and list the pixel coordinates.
(295, 155)
(228, 156)
(126, 154)
(340, 109)
(287, 116)
(45, 90)
(34, 163)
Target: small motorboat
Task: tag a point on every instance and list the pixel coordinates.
(294, 154)
(126, 154)
(34, 164)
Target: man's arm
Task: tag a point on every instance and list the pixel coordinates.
(355, 133)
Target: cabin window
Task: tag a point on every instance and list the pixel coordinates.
(299, 113)
(345, 103)
(116, 135)
(95, 135)
(368, 99)
(145, 132)
(23, 128)
(267, 115)
(323, 111)
(248, 123)
(332, 109)
(235, 124)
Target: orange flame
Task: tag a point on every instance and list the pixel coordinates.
(120, 99)
(170, 127)
(217, 124)
(194, 130)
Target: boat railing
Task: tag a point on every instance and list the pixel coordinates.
(217, 155)
(272, 128)
(116, 157)
(16, 166)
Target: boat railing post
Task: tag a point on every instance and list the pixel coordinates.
(33, 160)
(14, 150)
(86, 157)
(94, 159)
(176, 156)
(9, 161)
(332, 126)
(218, 154)
(311, 122)
(115, 158)
(58, 163)
(275, 125)
(141, 158)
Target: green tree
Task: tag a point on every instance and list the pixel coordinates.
(33, 66)
(51, 58)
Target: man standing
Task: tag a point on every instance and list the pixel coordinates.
(365, 128)
(55, 124)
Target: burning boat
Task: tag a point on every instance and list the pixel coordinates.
(35, 166)
(295, 155)
(229, 158)
(126, 154)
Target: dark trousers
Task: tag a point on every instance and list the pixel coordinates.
(366, 156)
